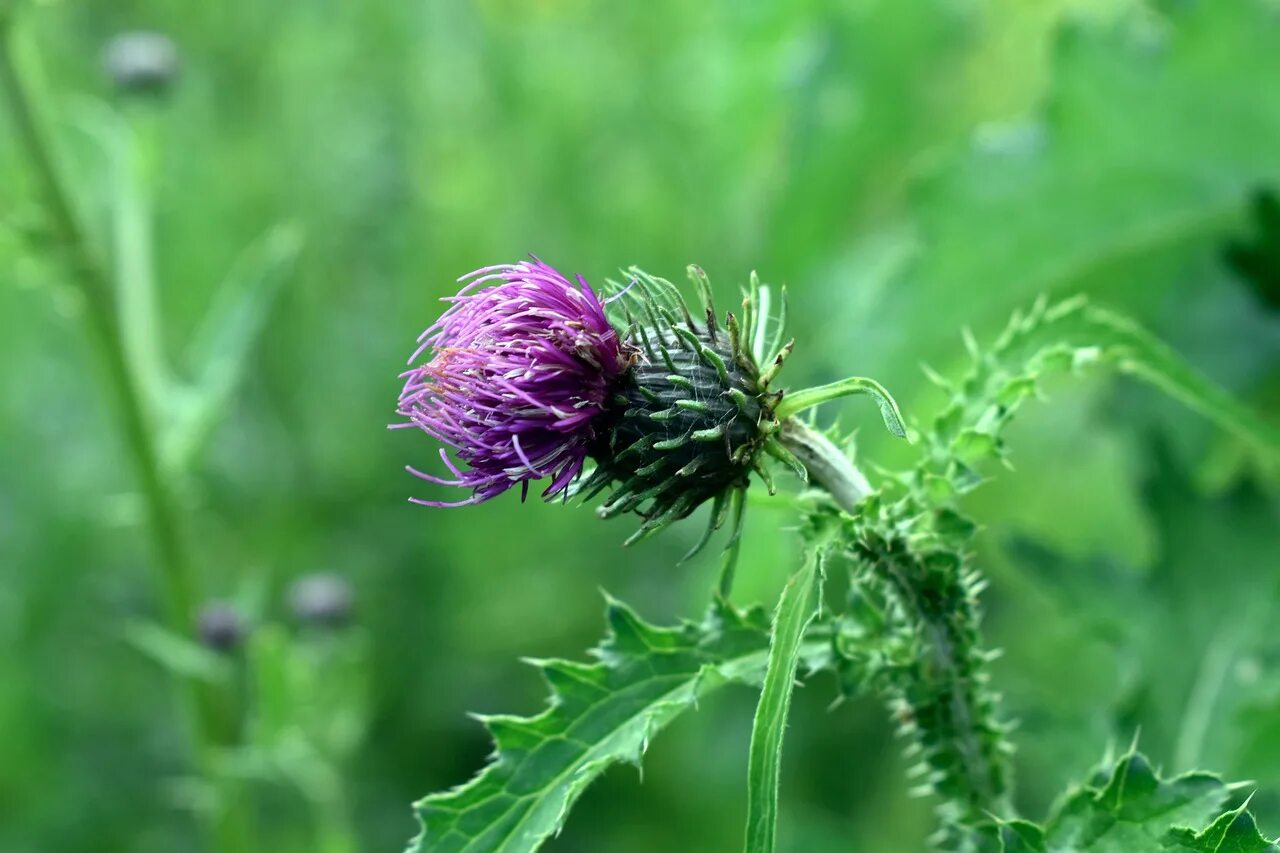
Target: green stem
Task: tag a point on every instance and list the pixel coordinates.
(100, 317)
(940, 700)
(134, 273)
(828, 466)
(89, 277)
(334, 833)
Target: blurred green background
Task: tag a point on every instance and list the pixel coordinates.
(905, 168)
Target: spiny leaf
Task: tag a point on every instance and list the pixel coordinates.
(1134, 808)
(796, 610)
(1069, 336)
(600, 714)
(1129, 808)
(1233, 832)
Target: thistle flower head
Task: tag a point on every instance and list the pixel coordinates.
(522, 371)
(525, 378)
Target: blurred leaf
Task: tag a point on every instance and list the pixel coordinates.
(1136, 351)
(175, 653)
(1257, 260)
(600, 714)
(222, 346)
(796, 610)
(1143, 155)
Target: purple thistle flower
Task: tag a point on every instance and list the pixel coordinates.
(523, 364)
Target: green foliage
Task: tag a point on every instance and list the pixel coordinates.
(1233, 832)
(913, 553)
(600, 714)
(908, 168)
(796, 609)
(1144, 150)
(1257, 259)
(1128, 807)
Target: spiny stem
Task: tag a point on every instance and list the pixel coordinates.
(945, 706)
(939, 697)
(92, 282)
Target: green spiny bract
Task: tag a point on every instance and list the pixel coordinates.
(691, 422)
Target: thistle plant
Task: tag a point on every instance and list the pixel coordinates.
(164, 422)
(662, 405)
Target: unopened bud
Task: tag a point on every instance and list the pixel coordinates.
(220, 626)
(322, 600)
(141, 61)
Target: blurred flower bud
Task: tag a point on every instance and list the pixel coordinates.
(322, 600)
(141, 61)
(220, 626)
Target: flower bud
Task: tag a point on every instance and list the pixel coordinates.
(321, 600)
(220, 626)
(140, 61)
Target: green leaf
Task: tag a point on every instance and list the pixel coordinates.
(796, 610)
(221, 349)
(1233, 832)
(1012, 836)
(1129, 808)
(176, 653)
(1134, 809)
(600, 714)
(1068, 336)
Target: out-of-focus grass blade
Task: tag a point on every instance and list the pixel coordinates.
(221, 347)
(126, 204)
(175, 653)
